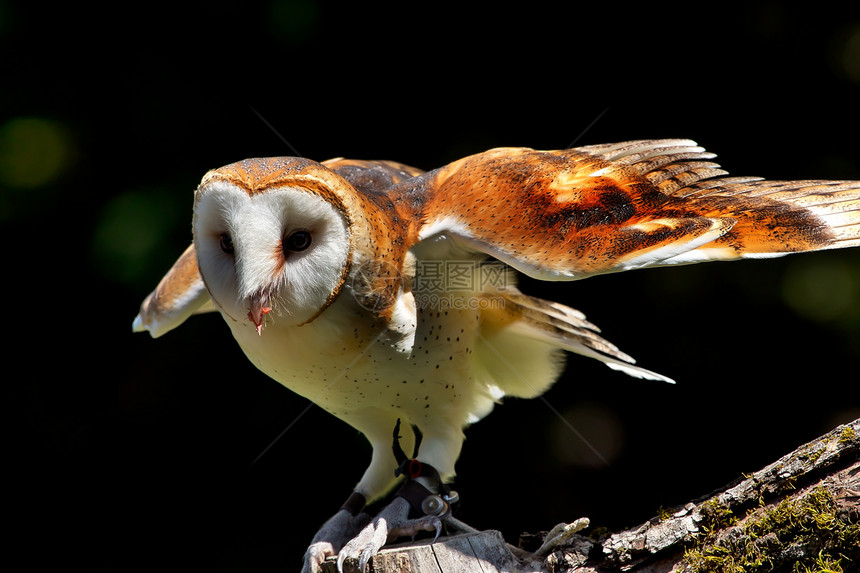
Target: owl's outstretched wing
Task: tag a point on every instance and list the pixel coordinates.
(569, 214)
(178, 295)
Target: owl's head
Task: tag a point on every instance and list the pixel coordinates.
(273, 240)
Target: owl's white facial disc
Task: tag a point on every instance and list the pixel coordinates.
(278, 255)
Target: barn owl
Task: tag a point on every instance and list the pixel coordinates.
(388, 295)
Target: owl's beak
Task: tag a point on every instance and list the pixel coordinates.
(258, 308)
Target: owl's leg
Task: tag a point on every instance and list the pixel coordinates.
(421, 493)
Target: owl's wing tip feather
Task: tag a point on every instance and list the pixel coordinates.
(179, 294)
(637, 372)
(138, 325)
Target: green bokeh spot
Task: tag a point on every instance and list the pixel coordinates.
(293, 21)
(132, 239)
(34, 152)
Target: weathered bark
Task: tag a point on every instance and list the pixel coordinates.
(802, 509)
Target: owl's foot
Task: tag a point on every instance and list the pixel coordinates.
(392, 522)
(418, 496)
(334, 534)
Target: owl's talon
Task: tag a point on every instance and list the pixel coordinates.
(365, 559)
(316, 554)
(415, 526)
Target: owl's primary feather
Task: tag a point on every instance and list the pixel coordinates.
(381, 292)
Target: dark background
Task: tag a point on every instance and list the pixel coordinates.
(126, 453)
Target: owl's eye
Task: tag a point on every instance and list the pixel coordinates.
(297, 241)
(226, 243)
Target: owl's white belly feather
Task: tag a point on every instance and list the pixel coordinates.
(419, 367)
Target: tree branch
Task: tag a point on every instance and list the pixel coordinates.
(800, 513)
(802, 509)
